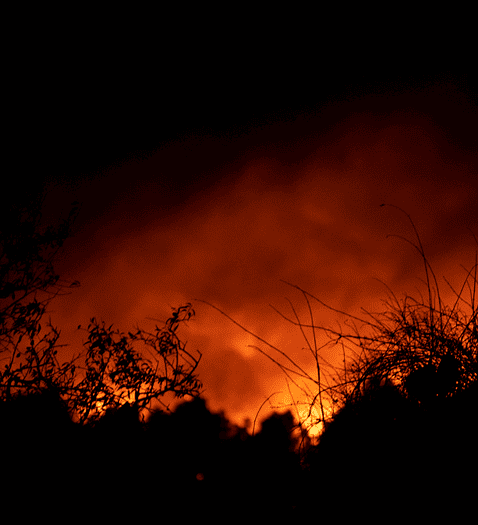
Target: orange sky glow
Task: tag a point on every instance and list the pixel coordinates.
(293, 200)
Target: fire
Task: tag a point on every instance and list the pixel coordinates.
(282, 203)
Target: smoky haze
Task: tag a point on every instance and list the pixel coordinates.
(225, 217)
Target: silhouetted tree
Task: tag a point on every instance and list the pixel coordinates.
(70, 429)
(113, 368)
(28, 283)
(134, 368)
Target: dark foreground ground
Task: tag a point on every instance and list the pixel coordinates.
(385, 461)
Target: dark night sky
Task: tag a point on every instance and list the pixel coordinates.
(209, 169)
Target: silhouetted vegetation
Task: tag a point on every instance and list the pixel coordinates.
(70, 428)
(113, 368)
(399, 420)
(189, 460)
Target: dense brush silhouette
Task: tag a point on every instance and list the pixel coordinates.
(220, 464)
(391, 452)
(398, 417)
(38, 443)
(401, 443)
(382, 451)
(190, 459)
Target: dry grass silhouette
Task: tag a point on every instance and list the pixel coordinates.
(427, 349)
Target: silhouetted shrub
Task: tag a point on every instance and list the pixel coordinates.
(219, 464)
(38, 442)
(396, 419)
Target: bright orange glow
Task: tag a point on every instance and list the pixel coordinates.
(301, 207)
